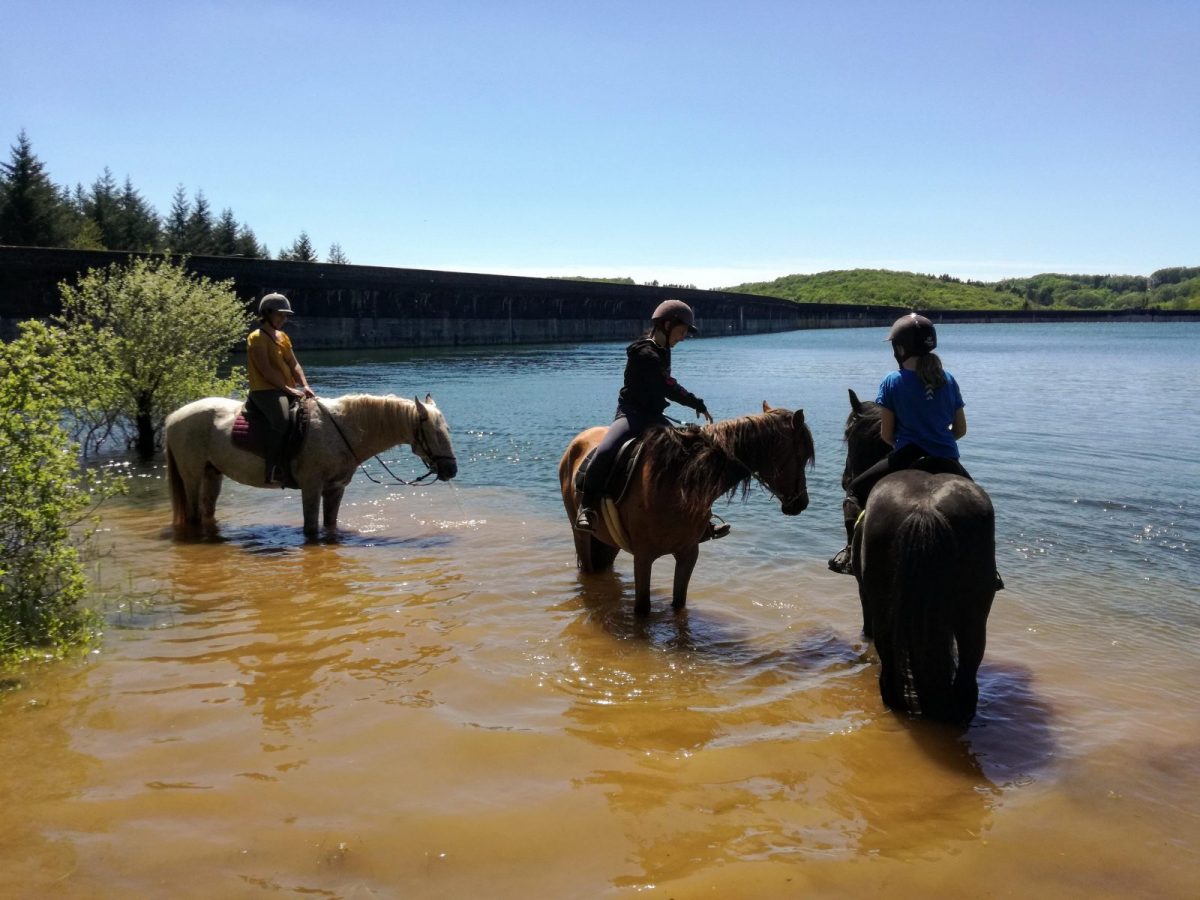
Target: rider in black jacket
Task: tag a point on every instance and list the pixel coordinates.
(648, 389)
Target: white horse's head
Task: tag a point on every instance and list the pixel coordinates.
(431, 440)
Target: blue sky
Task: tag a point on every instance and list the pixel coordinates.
(688, 142)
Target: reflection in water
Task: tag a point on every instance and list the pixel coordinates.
(743, 746)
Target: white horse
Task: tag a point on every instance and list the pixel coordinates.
(341, 433)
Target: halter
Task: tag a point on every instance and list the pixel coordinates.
(419, 441)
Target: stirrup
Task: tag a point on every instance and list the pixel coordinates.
(585, 520)
(841, 562)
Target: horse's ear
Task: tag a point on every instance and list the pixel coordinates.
(766, 406)
(421, 410)
(429, 399)
(855, 403)
(798, 418)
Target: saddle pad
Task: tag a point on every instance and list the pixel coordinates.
(612, 521)
(249, 428)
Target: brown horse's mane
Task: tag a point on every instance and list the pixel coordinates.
(701, 460)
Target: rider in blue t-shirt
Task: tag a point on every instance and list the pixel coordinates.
(921, 416)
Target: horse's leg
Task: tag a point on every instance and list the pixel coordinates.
(641, 584)
(331, 502)
(971, 637)
(310, 502)
(685, 563)
(210, 490)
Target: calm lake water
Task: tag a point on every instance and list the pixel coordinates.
(438, 705)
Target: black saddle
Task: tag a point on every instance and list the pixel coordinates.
(624, 465)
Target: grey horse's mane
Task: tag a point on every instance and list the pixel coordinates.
(372, 412)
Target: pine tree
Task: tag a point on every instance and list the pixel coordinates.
(176, 230)
(31, 209)
(200, 227)
(248, 246)
(225, 234)
(138, 225)
(337, 256)
(300, 251)
(101, 208)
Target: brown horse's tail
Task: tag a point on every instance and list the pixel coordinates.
(178, 494)
(923, 625)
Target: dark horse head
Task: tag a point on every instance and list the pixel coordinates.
(864, 446)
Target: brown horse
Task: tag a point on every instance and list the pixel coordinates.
(924, 553)
(668, 504)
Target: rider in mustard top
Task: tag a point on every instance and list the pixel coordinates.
(276, 379)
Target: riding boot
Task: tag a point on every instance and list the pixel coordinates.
(588, 515)
(841, 562)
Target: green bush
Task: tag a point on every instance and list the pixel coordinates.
(147, 337)
(43, 495)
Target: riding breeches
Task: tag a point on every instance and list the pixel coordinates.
(622, 429)
(274, 406)
(860, 487)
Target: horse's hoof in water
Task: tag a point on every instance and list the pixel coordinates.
(679, 605)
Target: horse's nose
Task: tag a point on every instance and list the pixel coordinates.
(447, 469)
(797, 506)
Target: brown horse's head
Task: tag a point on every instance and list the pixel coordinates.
(789, 449)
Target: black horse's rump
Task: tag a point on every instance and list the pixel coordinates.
(924, 554)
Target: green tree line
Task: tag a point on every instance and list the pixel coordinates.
(36, 212)
(1173, 288)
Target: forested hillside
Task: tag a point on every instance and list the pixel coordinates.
(1174, 288)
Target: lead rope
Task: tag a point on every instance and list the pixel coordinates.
(420, 479)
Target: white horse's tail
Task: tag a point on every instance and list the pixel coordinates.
(179, 516)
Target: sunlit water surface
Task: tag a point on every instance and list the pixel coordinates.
(437, 705)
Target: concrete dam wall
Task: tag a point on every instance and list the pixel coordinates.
(348, 307)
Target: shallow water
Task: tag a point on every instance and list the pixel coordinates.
(438, 705)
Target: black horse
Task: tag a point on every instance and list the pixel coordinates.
(924, 554)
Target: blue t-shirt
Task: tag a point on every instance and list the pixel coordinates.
(923, 417)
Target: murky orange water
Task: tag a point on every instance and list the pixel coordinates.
(439, 706)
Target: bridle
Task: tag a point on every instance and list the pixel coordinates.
(419, 441)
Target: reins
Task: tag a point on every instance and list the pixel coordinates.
(418, 441)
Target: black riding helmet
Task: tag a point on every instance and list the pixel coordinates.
(677, 311)
(914, 335)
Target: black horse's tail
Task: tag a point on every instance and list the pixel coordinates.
(923, 627)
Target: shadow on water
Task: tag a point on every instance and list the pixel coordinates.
(608, 604)
(1010, 741)
(271, 540)
(1012, 735)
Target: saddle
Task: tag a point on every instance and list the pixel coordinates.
(250, 431)
(624, 465)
